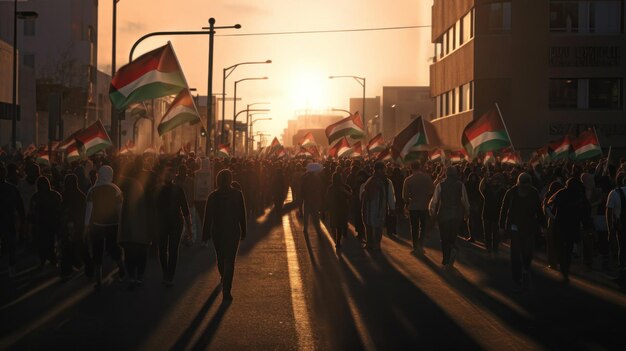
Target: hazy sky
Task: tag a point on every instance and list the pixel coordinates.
(298, 76)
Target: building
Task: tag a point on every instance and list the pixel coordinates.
(372, 113)
(552, 67)
(310, 120)
(401, 105)
(60, 46)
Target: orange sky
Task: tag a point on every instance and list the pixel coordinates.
(301, 63)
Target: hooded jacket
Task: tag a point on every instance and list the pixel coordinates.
(104, 200)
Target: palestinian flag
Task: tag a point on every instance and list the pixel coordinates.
(457, 156)
(357, 150)
(181, 111)
(340, 149)
(586, 146)
(150, 76)
(42, 157)
(489, 158)
(93, 139)
(274, 146)
(487, 133)
(409, 142)
(223, 150)
(280, 153)
(384, 155)
(303, 153)
(72, 153)
(511, 158)
(351, 126)
(542, 154)
(307, 140)
(560, 149)
(70, 140)
(437, 155)
(377, 144)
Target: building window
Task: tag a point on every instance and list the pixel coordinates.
(466, 28)
(498, 17)
(457, 35)
(466, 97)
(29, 27)
(586, 94)
(29, 60)
(597, 16)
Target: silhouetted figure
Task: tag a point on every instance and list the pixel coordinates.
(102, 218)
(10, 205)
(377, 198)
(492, 190)
(616, 222)
(417, 190)
(45, 208)
(312, 194)
(450, 204)
(172, 210)
(225, 224)
(474, 223)
(337, 200)
(553, 244)
(74, 251)
(522, 217)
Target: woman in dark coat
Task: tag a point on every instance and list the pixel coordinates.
(45, 209)
(225, 224)
(74, 251)
(338, 204)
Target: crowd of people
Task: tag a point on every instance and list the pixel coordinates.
(72, 214)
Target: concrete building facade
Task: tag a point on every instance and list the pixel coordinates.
(400, 105)
(552, 66)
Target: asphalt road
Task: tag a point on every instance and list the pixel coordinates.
(295, 292)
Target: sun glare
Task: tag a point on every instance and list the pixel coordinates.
(309, 90)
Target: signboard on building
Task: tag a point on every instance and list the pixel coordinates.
(585, 56)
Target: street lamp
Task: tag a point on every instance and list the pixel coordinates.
(235, 102)
(21, 15)
(256, 120)
(235, 123)
(227, 72)
(341, 110)
(248, 131)
(248, 115)
(361, 81)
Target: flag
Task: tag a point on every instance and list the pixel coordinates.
(280, 153)
(303, 153)
(307, 140)
(223, 150)
(150, 76)
(384, 155)
(489, 158)
(511, 158)
(70, 140)
(560, 149)
(351, 126)
(42, 157)
(29, 150)
(410, 141)
(72, 153)
(437, 155)
(543, 154)
(181, 111)
(137, 110)
(357, 150)
(377, 144)
(486, 133)
(340, 149)
(458, 156)
(586, 146)
(93, 138)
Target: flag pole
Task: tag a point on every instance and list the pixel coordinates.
(505, 127)
(598, 139)
(424, 128)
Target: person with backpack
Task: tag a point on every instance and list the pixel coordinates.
(337, 204)
(616, 223)
(450, 205)
(377, 197)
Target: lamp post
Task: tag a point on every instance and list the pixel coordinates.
(248, 115)
(235, 104)
(256, 120)
(361, 81)
(114, 112)
(249, 132)
(235, 123)
(227, 72)
(341, 110)
(21, 15)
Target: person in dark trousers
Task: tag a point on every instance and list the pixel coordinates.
(337, 200)
(450, 205)
(377, 198)
(417, 190)
(355, 180)
(474, 223)
(102, 218)
(172, 213)
(225, 224)
(572, 213)
(616, 223)
(75, 252)
(492, 190)
(10, 205)
(311, 193)
(397, 179)
(552, 239)
(45, 209)
(134, 236)
(522, 217)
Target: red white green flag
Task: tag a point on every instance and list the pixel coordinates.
(489, 158)
(181, 111)
(486, 133)
(93, 139)
(586, 146)
(357, 150)
(511, 158)
(351, 126)
(410, 141)
(72, 153)
(458, 156)
(377, 144)
(280, 153)
(384, 155)
(308, 140)
(560, 149)
(437, 155)
(543, 154)
(42, 157)
(223, 150)
(303, 153)
(340, 149)
(150, 76)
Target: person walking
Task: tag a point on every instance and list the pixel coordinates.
(102, 218)
(45, 209)
(450, 205)
(74, 251)
(337, 200)
(417, 191)
(10, 205)
(172, 212)
(377, 198)
(492, 190)
(552, 240)
(616, 223)
(225, 224)
(311, 193)
(522, 217)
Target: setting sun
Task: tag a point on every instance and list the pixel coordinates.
(308, 89)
